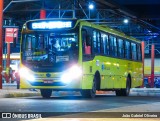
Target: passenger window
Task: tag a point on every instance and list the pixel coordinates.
(113, 45)
(134, 52)
(120, 48)
(105, 44)
(127, 50)
(96, 42)
(139, 52)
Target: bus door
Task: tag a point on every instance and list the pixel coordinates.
(87, 51)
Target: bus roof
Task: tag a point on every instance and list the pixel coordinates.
(110, 30)
(90, 24)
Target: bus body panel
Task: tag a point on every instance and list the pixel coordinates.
(41, 80)
(113, 72)
(74, 85)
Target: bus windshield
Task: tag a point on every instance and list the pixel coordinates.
(49, 49)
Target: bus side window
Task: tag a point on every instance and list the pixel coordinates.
(115, 46)
(98, 43)
(111, 45)
(127, 50)
(104, 44)
(94, 42)
(85, 38)
(139, 52)
(134, 51)
(107, 45)
(120, 48)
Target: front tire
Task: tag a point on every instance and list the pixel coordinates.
(46, 93)
(126, 91)
(90, 93)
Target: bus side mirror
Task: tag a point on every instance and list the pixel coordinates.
(88, 40)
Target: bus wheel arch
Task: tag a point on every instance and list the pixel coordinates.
(125, 91)
(130, 79)
(98, 80)
(91, 93)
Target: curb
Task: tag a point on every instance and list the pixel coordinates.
(12, 95)
(149, 90)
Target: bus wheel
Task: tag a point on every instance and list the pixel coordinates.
(90, 93)
(46, 93)
(126, 91)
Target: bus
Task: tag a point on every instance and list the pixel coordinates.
(76, 55)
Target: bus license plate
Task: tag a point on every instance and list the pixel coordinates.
(48, 81)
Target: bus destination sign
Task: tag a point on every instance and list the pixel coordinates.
(48, 25)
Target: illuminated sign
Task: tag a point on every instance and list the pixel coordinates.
(51, 25)
(10, 34)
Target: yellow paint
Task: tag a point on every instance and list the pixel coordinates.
(116, 77)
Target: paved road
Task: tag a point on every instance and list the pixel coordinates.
(71, 104)
(76, 103)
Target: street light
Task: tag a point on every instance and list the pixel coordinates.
(126, 21)
(91, 6)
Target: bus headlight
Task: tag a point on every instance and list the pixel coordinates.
(26, 74)
(72, 73)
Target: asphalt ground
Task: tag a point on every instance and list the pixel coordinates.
(10, 90)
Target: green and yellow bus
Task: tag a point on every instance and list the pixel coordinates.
(71, 54)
